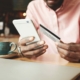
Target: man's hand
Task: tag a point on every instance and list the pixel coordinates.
(70, 52)
(32, 50)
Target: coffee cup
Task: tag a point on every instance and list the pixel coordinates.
(7, 48)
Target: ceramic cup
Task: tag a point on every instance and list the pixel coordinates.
(7, 48)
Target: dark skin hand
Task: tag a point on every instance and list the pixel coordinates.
(32, 50)
(70, 51)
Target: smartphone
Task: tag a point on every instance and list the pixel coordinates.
(50, 34)
(26, 28)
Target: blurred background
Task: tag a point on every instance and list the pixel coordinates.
(9, 10)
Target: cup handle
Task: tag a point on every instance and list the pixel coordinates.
(15, 46)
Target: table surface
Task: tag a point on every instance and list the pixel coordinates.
(21, 70)
(57, 60)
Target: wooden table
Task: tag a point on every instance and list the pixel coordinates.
(56, 59)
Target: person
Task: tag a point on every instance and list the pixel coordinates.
(62, 17)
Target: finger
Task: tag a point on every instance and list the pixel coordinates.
(32, 46)
(72, 59)
(62, 52)
(74, 47)
(74, 54)
(63, 45)
(35, 52)
(68, 55)
(42, 52)
(70, 46)
(26, 40)
(34, 56)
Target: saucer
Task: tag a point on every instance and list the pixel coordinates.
(14, 54)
